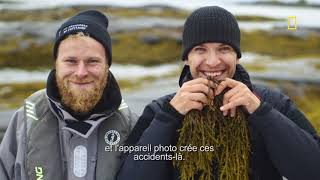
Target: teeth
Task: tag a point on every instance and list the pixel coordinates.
(209, 73)
(213, 74)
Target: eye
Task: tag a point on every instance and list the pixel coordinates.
(70, 61)
(93, 61)
(225, 49)
(199, 49)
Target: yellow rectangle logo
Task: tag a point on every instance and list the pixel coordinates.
(292, 22)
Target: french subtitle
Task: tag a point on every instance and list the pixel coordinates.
(158, 152)
(157, 157)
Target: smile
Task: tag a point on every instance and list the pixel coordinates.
(81, 83)
(212, 74)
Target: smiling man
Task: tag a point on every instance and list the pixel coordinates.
(274, 138)
(62, 131)
(81, 76)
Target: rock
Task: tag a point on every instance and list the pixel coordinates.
(5, 90)
(24, 45)
(132, 24)
(114, 40)
(43, 41)
(150, 39)
(301, 32)
(179, 41)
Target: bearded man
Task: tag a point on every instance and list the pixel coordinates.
(236, 130)
(62, 131)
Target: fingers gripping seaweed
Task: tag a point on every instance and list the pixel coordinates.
(228, 135)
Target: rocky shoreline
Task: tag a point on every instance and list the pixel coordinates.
(27, 35)
(151, 36)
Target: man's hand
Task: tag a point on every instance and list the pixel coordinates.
(238, 95)
(192, 95)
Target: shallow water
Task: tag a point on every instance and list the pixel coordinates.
(119, 71)
(306, 16)
(281, 69)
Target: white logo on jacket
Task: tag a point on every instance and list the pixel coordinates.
(80, 161)
(112, 137)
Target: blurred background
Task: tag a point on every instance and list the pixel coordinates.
(278, 51)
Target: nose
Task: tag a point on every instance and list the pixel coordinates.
(82, 70)
(212, 58)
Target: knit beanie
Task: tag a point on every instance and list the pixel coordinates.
(210, 24)
(91, 22)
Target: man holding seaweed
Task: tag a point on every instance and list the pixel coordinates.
(257, 133)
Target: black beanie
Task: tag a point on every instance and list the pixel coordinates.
(90, 22)
(210, 24)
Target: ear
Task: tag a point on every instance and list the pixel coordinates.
(238, 61)
(186, 62)
(55, 63)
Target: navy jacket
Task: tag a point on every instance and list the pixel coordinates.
(283, 142)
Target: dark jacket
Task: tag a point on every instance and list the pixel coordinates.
(283, 142)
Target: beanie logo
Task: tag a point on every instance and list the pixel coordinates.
(73, 28)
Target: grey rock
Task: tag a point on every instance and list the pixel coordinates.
(24, 45)
(150, 39)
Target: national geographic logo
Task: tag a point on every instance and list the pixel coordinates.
(292, 23)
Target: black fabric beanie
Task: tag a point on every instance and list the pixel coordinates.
(90, 22)
(210, 24)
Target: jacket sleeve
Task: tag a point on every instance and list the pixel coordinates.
(9, 148)
(291, 141)
(156, 126)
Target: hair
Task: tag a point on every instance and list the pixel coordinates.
(79, 34)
